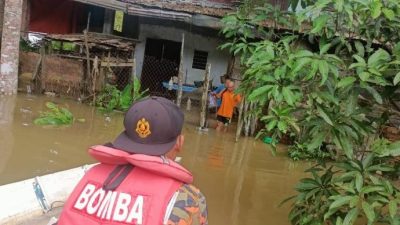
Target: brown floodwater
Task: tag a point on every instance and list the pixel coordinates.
(243, 182)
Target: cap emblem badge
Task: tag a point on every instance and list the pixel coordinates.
(143, 128)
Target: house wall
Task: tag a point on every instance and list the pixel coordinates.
(218, 59)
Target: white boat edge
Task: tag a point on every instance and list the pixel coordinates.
(20, 201)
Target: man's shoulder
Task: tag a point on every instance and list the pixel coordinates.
(190, 205)
(190, 191)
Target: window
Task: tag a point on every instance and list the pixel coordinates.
(200, 60)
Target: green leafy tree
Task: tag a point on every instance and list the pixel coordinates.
(314, 65)
(347, 192)
(316, 74)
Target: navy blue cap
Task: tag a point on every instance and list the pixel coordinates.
(152, 127)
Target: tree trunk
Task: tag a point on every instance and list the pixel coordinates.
(10, 46)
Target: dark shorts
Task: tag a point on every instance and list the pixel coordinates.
(225, 120)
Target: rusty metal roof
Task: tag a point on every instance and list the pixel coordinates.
(99, 40)
(217, 8)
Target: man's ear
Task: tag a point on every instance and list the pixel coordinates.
(179, 142)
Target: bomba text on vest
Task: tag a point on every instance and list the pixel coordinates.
(110, 205)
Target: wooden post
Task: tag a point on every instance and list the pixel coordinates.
(254, 119)
(180, 74)
(36, 78)
(246, 118)
(240, 121)
(204, 98)
(88, 70)
(87, 61)
(133, 77)
(95, 74)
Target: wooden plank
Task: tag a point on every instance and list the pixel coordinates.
(109, 4)
(117, 64)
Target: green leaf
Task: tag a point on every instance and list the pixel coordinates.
(126, 97)
(300, 64)
(396, 79)
(346, 146)
(377, 57)
(340, 202)
(360, 59)
(319, 23)
(369, 212)
(259, 91)
(360, 48)
(392, 208)
(346, 82)
(374, 94)
(359, 182)
(375, 8)
(323, 67)
(324, 116)
(364, 76)
(339, 221)
(317, 140)
(389, 14)
(325, 49)
(369, 189)
(393, 149)
(288, 95)
(304, 186)
(47, 121)
(271, 125)
(350, 217)
(282, 126)
(303, 53)
(339, 5)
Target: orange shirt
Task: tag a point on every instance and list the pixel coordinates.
(229, 101)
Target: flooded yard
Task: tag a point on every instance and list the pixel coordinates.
(242, 181)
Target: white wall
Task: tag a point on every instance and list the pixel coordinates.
(218, 59)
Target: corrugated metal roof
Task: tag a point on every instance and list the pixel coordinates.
(206, 7)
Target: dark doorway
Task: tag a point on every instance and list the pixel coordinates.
(160, 64)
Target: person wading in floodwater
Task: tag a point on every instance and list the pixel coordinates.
(137, 180)
(220, 88)
(229, 100)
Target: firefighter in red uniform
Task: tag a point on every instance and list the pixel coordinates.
(137, 180)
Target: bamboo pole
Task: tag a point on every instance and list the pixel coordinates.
(180, 74)
(204, 98)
